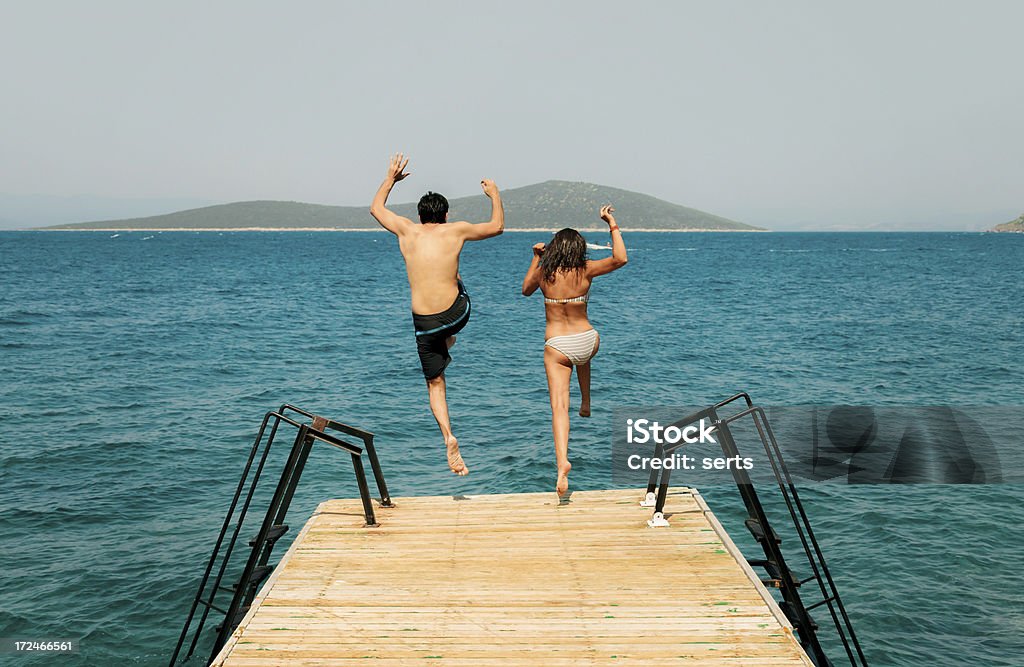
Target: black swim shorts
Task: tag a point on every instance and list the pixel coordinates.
(433, 330)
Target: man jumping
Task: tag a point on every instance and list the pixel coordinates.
(440, 304)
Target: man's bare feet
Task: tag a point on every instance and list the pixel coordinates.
(563, 479)
(455, 461)
(585, 410)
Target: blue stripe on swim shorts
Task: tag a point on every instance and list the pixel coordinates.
(446, 326)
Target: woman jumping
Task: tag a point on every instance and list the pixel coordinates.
(563, 273)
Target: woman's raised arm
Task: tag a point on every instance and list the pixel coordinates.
(532, 280)
(618, 259)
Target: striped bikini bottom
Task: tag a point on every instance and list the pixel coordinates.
(579, 348)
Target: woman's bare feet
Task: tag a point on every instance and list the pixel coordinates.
(585, 410)
(563, 478)
(455, 461)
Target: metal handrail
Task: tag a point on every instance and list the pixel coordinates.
(371, 451)
(788, 583)
(831, 595)
(256, 567)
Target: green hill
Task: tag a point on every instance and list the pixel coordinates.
(552, 204)
(1012, 226)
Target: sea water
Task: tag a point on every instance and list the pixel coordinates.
(136, 367)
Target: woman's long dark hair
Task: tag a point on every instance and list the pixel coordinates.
(566, 252)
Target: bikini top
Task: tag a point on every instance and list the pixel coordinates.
(576, 299)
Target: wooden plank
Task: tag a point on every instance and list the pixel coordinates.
(514, 579)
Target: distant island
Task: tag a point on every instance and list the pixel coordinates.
(548, 205)
(1012, 226)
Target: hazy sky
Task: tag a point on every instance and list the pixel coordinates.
(781, 112)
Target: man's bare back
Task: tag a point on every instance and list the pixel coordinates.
(431, 253)
(440, 304)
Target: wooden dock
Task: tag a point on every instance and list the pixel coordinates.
(515, 579)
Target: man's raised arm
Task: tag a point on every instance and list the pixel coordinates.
(387, 218)
(493, 227)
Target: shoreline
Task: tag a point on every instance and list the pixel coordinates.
(359, 229)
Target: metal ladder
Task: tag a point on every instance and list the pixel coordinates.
(257, 566)
(780, 576)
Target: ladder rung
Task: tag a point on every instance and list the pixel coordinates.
(755, 528)
(775, 572)
(206, 603)
(258, 574)
(275, 533)
(238, 618)
(791, 614)
(818, 604)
